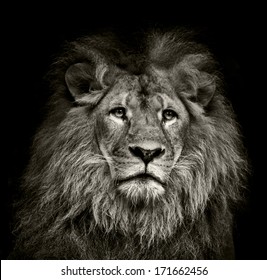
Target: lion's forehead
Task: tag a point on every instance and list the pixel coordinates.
(151, 89)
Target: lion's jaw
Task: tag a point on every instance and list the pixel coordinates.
(142, 208)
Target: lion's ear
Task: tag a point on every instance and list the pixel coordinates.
(81, 79)
(194, 81)
(203, 89)
(86, 82)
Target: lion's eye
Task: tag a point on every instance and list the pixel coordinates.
(118, 112)
(169, 115)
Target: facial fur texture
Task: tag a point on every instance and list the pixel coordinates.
(91, 192)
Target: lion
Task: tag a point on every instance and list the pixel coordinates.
(140, 155)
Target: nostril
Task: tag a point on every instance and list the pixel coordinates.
(158, 152)
(135, 151)
(131, 150)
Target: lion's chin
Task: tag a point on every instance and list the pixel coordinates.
(141, 189)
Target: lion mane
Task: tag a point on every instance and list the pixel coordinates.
(70, 208)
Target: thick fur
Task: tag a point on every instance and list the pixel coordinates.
(70, 208)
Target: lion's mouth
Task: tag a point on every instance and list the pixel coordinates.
(141, 187)
(144, 178)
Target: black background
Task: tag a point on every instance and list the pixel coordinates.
(234, 34)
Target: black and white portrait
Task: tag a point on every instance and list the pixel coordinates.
(134, 139)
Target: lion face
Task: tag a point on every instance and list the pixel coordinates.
(140, 128)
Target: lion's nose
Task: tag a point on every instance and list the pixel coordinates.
(145, 154)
